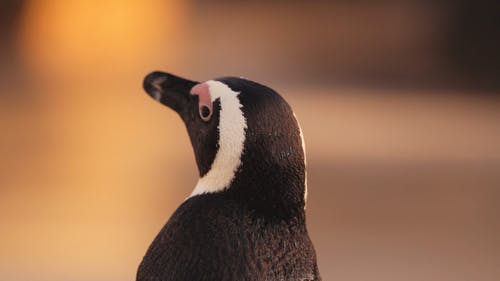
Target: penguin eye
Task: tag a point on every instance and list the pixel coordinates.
(205, 105)
(205, 112)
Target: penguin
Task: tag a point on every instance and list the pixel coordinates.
(245, 218)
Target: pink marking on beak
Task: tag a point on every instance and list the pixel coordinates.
(203, 93)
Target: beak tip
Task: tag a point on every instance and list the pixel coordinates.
(168, 89)
(152, 82)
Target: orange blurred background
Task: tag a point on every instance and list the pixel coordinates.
(398, 101)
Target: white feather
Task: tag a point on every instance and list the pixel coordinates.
(232, 126)
(305, 160)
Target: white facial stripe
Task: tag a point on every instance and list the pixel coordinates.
(232, 125)
(305, 160)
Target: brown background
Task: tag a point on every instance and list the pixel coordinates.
(398, 101)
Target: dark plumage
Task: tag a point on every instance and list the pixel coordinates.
(254, 228)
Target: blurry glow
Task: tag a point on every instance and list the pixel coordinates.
(76, 36)
(79, 162)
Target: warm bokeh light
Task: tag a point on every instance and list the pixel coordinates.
(99, 37)
(74, 191)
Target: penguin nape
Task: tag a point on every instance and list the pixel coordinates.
(245, 219)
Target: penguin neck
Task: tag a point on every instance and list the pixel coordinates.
(272, 179)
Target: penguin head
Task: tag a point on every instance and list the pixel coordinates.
(247, 142)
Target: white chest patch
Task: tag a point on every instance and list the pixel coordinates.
(232, 126)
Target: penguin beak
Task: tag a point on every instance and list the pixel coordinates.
(170, 90)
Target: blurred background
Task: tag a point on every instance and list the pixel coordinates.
(399, 103)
